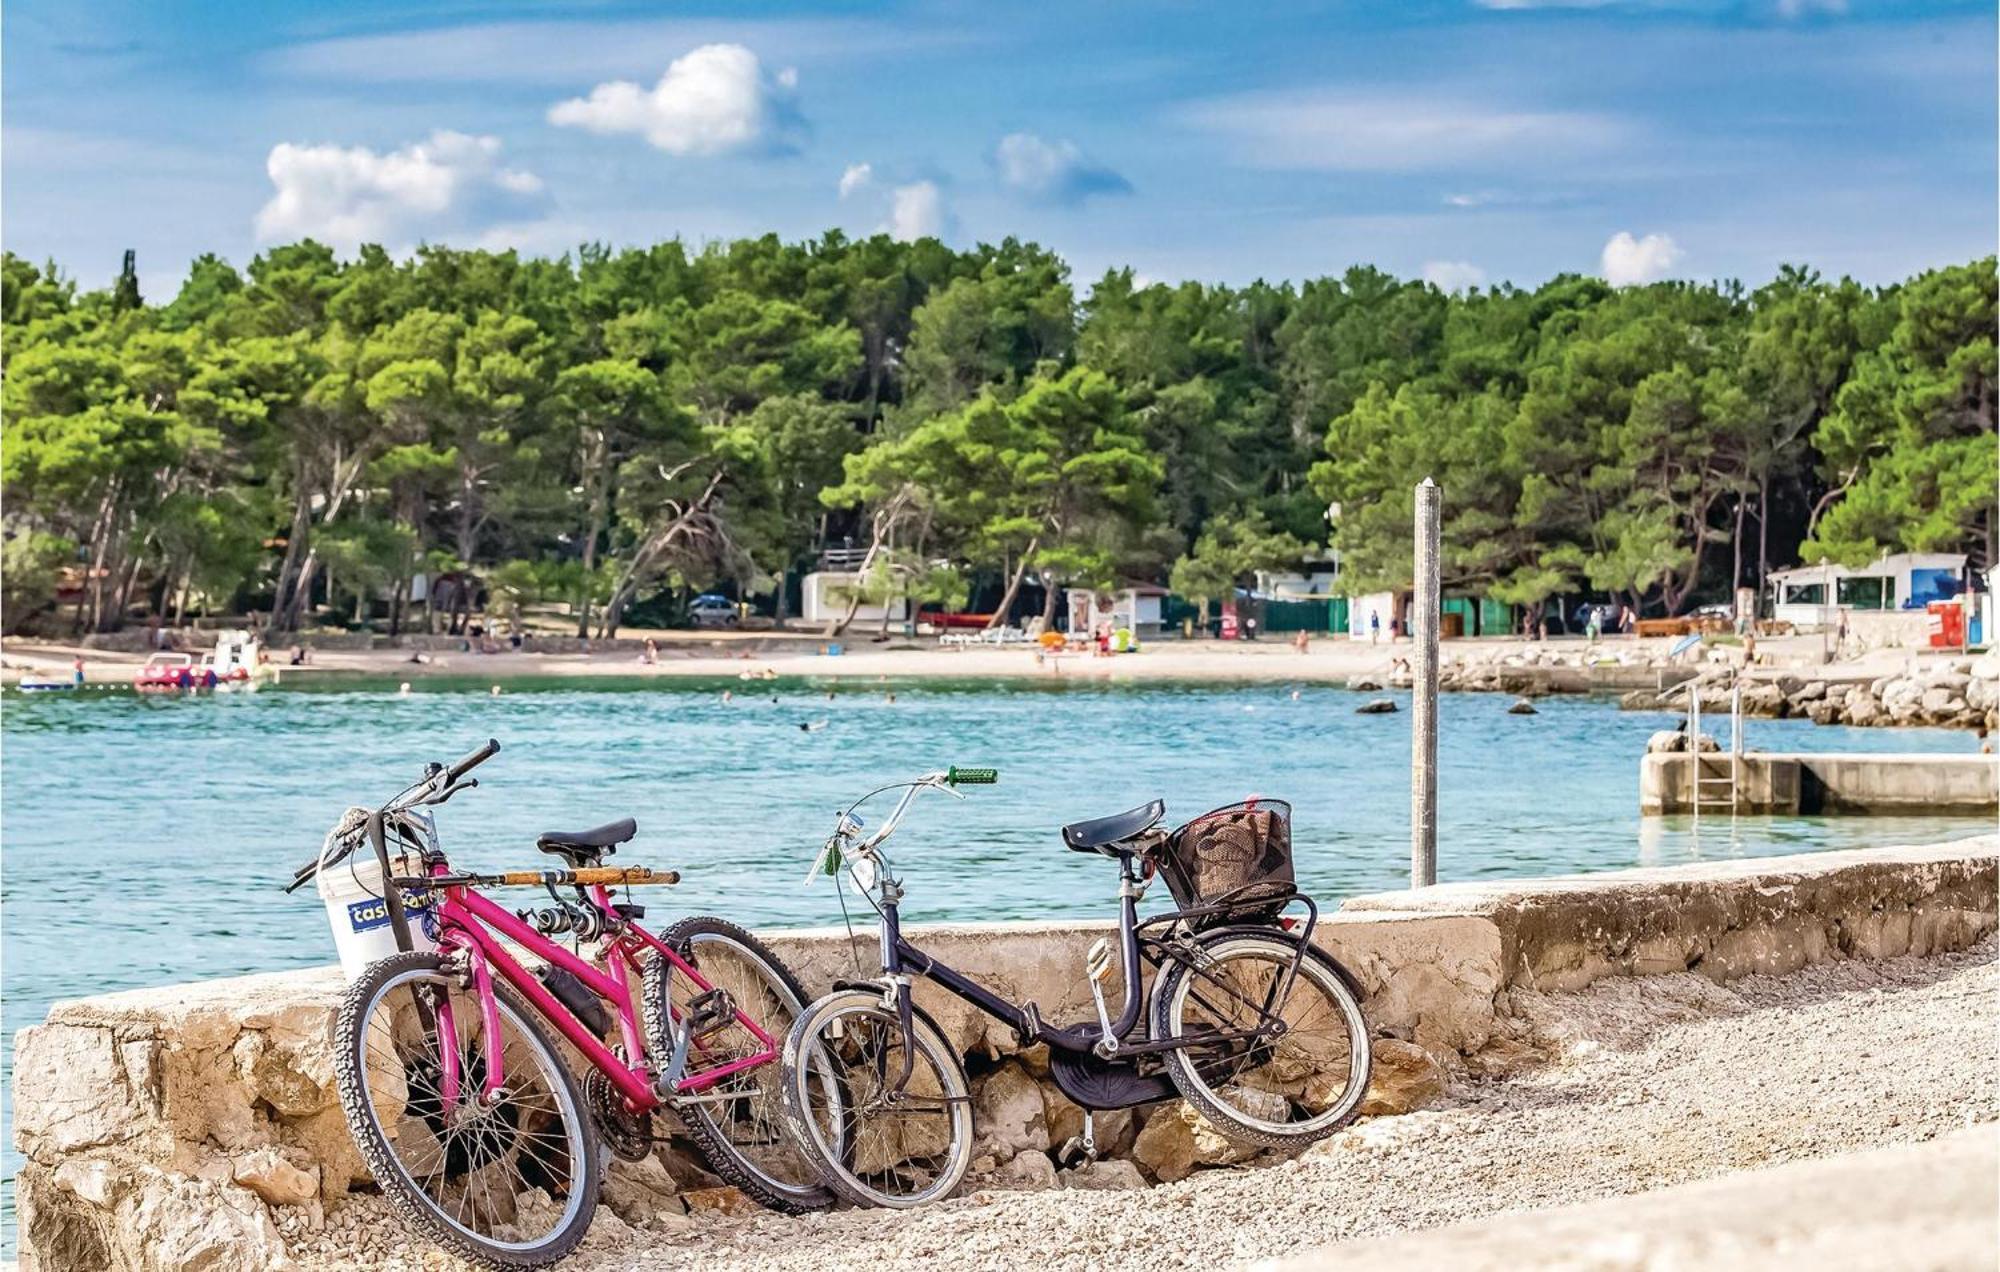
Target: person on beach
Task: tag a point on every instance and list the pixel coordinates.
(651, 653)
(1374, 627)
(1300, 640)
(76, 672)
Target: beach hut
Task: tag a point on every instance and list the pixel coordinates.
(1134, 607)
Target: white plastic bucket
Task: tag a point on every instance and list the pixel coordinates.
(359, 915)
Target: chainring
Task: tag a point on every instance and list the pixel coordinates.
(627, 1134)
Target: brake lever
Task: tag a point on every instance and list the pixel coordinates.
(452, 790)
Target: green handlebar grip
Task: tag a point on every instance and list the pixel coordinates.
(971, 776)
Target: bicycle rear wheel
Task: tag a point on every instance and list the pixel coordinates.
(737, 1123)
(878, 1140)
(510, 1184)
(1282, 1090)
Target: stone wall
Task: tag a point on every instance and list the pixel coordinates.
(175, 1127)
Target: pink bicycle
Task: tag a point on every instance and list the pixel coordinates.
(471, 1122)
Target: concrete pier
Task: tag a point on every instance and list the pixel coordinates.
(1851, 783)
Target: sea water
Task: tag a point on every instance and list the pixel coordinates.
(146, 838)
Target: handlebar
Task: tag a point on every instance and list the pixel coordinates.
(834, 854)
(472, 761)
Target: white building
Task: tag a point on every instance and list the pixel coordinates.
(1378, 605)
(1136, 608)
(1815, 595)
(824, 596)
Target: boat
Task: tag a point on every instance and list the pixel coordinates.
(233, 662)
(42, 682)
(166, 673)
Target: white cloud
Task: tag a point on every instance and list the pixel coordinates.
(711, 101)
(1337, 132)
(346, 196)
(1627, 260)
(1057, 172)
(857, 176)
(1453, 276)
(916, 211)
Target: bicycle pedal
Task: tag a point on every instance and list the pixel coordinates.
(708, 1012)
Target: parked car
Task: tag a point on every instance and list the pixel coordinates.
(713, 610)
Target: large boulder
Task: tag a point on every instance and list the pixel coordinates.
(1404, 1077)
(1177, 1139)
(1008, 1114)
(1942, 705)
(1763, 699)
(1863, 709)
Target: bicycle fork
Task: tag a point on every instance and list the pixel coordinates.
(493, 1090)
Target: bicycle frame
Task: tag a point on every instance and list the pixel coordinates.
(467, 922)
(1108, 1040)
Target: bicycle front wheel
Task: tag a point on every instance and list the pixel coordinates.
(508, 1181)
(1287, 1085)
(737, 1121)
(883, 1113)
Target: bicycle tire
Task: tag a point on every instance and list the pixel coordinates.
(721, 1153)
(805, 1051)
(417, 1209)
(1317, 969)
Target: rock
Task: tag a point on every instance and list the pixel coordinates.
(722, 1201)
(1522, 707)
(1404, 1077)
(267, 1173)
(1008, 1113)
(1102, 1176)
(1027, 1170)
(639, 1191)
(1762, 699)
(1824, 711)
(1942, 703)
(1176, 1139)
(1380, 706)
(1640, 700)
(1364, 684)
(1863, 711)
(1982, 693)
(1812, 691)
(1666, 742)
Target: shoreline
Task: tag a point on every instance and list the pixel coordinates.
(1611, 665)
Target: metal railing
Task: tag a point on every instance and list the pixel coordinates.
(1710, 788)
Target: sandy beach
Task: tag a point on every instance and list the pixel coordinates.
(1326, 659)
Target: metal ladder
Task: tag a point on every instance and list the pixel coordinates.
(1715, 789)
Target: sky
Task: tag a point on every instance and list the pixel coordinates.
(1467, 141)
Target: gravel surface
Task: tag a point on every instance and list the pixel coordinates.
(1656, 1082)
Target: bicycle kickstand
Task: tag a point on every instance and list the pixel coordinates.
(1081, 1150)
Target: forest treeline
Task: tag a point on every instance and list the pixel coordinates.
(304, 437)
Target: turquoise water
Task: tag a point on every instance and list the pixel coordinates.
(145, 838)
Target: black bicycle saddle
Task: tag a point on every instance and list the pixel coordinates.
(1104, 832)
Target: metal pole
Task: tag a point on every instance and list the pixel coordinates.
(1423, 728)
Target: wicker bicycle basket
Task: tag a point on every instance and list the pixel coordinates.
(1239, 854)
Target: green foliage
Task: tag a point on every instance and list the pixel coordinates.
(1912, 436)
(305, 435)
(30, 567)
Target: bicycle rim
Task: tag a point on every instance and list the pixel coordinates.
(880, 1144)
(1294, 1086)
(743, 1113)
(510, 1180)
